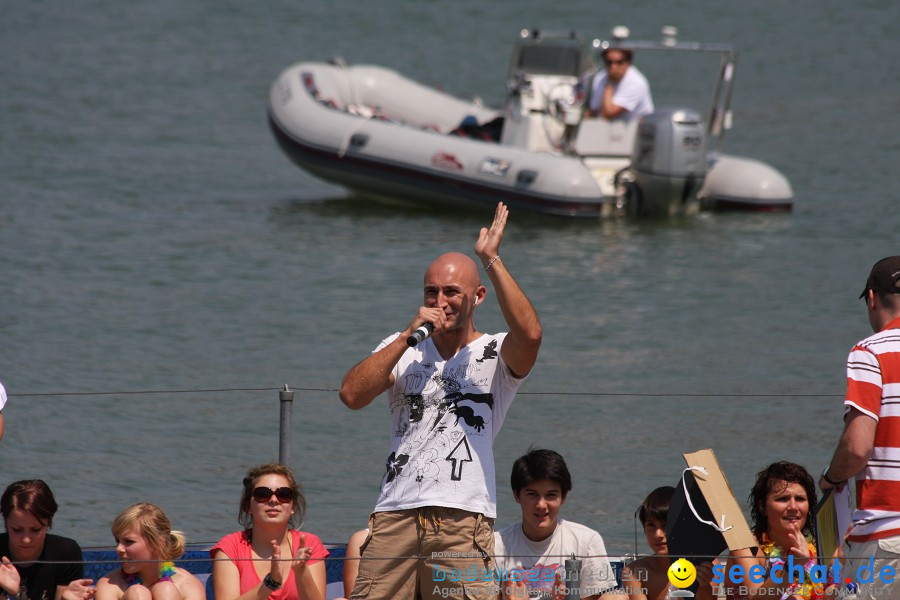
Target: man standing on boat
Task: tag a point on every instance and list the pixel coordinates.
(621, 91)
(448, 396)
(869, 448)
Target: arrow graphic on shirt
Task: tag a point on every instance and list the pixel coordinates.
(459, 455)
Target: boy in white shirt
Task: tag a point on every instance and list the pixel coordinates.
(531, 554)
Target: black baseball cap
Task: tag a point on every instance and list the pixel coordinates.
(885, 276)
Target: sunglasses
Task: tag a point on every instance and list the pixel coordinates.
(283, 494)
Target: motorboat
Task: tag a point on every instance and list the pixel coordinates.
(382, 135)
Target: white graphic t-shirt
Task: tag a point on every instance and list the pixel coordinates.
(538, 562)
(444, 418)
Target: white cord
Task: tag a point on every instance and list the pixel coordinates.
(687, 495)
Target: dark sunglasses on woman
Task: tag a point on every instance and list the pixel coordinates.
(283, 494)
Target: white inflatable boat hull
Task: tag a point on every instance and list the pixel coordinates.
(379, 134)
(416, 159)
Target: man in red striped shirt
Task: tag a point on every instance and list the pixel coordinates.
(869, 448)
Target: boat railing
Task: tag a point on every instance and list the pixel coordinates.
(286, 401)
(98, 561)
(718, 118)
(590, 137)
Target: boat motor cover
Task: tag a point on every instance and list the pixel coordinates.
(671, 143)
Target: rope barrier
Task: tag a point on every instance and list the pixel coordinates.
(521, 393)
(611, 557)
(137, 392)
(617, 558)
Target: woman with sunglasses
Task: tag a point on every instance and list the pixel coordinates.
(269, 559)
(147, 545)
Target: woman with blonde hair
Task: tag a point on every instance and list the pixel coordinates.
(248, 564)
(147, 546)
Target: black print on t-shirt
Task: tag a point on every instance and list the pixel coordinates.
(395, 465)
(466, 407)
(490, 352)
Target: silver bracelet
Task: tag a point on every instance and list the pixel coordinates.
(490, 264)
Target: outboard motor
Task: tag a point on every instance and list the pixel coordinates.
(669, 162)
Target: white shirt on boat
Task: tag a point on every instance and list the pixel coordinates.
(631, 93)
(445, 415)
(539, 561)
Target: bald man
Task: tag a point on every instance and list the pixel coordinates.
(448, 398)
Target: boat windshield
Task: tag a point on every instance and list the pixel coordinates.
(550, 60)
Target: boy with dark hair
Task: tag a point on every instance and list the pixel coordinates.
(531, 554)
(647, 578)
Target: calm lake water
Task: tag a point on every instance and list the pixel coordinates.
(155, 239)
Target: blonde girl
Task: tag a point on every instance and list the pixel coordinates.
(147, 545)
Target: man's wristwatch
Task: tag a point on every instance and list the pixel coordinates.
(828, 479)
(271, 583)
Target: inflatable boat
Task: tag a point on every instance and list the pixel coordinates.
(384, 136)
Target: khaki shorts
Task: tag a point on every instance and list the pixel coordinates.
(870, 556)
(427, 553)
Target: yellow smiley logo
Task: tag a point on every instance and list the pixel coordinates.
(682, 573)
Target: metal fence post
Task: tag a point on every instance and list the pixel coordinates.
(286, 399)
(573, 578)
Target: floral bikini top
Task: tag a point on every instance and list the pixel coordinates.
(166, 571)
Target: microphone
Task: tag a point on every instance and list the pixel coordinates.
(419, 334)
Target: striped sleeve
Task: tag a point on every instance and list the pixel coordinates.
(873, 387)
(863, 382)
